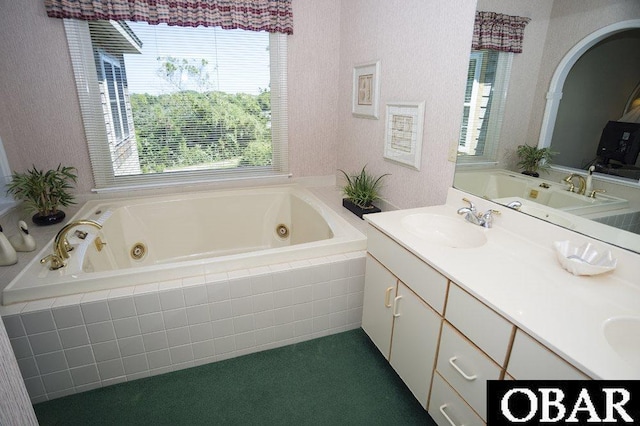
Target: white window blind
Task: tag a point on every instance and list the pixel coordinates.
(483, 111)
(163, 105)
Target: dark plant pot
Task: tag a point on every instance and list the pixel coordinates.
(51, 219)
(534, 174)
(357, 210)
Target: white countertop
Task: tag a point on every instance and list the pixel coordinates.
(517, 274)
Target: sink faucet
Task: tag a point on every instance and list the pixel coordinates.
(61, 247)
(472, 215)
(583, 183)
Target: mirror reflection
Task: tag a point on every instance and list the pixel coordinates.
(574, 91)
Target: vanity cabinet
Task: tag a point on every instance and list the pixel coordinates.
(377, 313)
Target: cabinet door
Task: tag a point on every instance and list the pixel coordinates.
(416, 329)
(377, 315)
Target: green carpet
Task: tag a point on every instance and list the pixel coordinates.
(335, 380)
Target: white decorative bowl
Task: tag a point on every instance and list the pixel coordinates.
(585, 259)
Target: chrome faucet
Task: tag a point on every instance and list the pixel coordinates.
(61, 246)
(516, 205)
(572, 188)
(472, 215)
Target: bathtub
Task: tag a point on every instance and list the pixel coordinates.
(172, 237)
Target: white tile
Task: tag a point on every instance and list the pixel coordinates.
(13, 309)
(38, 322)
(283, 315)
(338, 319)
(302, 311)
(146, 288)
(57, 382)
(241, 306)
(159, 359)
(356, 284)
(238, 273)
(282, 280)
(169, 285)
(218, 291)
(201, 332)
(283, 298)
(95, 296)
(224, 345)
(264, 319)
(101, 332)
(216, 277)
(34, 386)
(220, 310)
(45, 342)
(243, 324)
(240, 287)
(193, 281)
(28, 367)
(147, 303)
(178, 336)
(264, 336)
(172, 299)
(222, 328)
(321, 307)
(73, 336)
(354, 300)
(38, 305)
(339, 270)
(85, 375)
(135, 364)
(357, 266)
(70, 300)
(106, 351)
(95, 312)
(82, 355)
(321, 290)
(301, 277)
(245, 340)
(86, 388)
(181, 354)
(126, 327)
(198, 314)
(110, 369)
(263, 302)
(279, 267)
(339, 303)
(175, 318)
(21, 347)
(68, 316)
(136, 376)
(114, 380)
(14, 326)
(302, 294)
(131, 346)
(302, 328)
(117, 293)
(122, 307)
(339, 287)
(262, 283)
(354, 316)
(195, 295)
(320, 273)
(151, 322)
(155, 341)
(203, 349)
(321, 323)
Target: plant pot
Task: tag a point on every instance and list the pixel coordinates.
(52, 219)
(528, 173)
(357, 210)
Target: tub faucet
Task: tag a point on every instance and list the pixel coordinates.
(472, 215)
(61, 246)
(583, 183)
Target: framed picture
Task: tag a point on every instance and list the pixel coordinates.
(403, 137)
(366, 89)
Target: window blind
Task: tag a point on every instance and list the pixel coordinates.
(164, 105)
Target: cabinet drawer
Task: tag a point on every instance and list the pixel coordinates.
(481, 324)
(530, 360)
(447, 408)
(425, 281)
(466, 368)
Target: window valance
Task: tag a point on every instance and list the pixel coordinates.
(498, 31)
(273, 16)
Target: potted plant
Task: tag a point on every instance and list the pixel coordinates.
(361, 191)
(533, 159)
(43, 192)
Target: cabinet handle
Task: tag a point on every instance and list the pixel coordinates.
(396, 314)
(387, 297)
(462, 373)
(446, 416)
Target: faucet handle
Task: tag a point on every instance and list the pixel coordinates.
(471, 205)
(593, 193)
(55, 261)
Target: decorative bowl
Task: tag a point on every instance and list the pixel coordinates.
(585, 259)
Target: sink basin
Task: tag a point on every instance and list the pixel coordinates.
(623, 335)
(447, 231)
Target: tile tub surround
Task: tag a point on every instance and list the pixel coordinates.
(75, 343)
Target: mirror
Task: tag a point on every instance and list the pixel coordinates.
(559, 35)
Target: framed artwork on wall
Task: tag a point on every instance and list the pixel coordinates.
(403, 136)
(366, 89)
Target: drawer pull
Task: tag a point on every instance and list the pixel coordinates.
(387, 297)
(459, 370)
(446, 416)
(396, 314)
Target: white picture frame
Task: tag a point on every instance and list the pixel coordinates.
(366, 90)
(403, 135)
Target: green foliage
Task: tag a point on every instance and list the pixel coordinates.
(533, 158)
(362, 189)
(257, 154)
(43, 192)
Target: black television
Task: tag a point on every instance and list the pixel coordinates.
(619, 142)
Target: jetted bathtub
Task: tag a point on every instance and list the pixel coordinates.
(177, 236)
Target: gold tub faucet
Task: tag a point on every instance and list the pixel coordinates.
(61, 247)
(583, 183)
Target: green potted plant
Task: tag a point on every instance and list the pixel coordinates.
(43, 192)
(532, 159)
(361, 191)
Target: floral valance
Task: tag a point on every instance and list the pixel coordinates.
(256, 15)
(497, 31)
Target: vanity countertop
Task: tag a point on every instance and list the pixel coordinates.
(517, 274)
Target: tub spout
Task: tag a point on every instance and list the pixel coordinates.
(61, 247)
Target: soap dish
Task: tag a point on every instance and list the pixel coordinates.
(585, 259)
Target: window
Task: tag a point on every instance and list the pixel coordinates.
(487, 81)
(164, 104)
